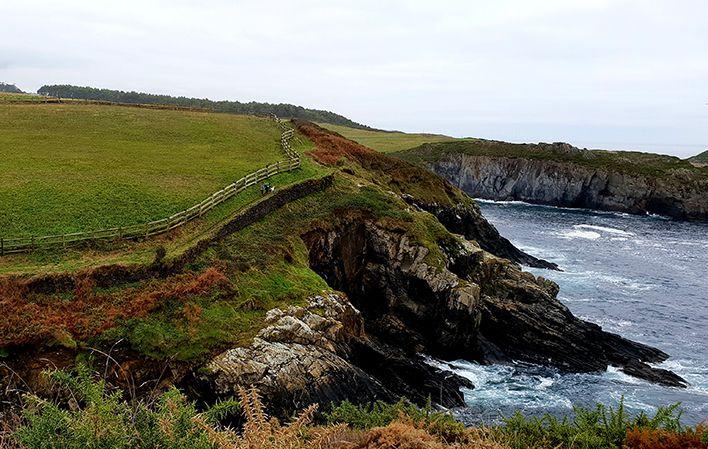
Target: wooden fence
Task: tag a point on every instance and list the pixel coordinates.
(22, 244)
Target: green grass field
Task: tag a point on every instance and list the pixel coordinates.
(385, 141)
(78, 167)
(7, 97)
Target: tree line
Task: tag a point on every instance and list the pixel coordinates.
(282, 110)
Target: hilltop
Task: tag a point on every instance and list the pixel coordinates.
(80, 167)
(283, 110)
(701, 158)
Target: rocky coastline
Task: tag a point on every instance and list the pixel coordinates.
(570, 177)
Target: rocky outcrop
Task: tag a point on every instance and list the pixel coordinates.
(573, 185)
(321, 353)
(466, 219)
(471, 305)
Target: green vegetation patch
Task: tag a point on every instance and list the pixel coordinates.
(386, 141)
(70, 168)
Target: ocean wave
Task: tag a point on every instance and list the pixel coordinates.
(576, 233)
(578, 209)
(595, 278)
(610, 323)
(604, 229)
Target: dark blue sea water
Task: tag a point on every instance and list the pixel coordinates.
(643, 277)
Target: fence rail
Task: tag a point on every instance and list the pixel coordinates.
(22, 244)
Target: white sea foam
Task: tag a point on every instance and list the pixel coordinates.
(604, 229)
(545, 383)
(578, 234)
(614, 373)
(610, 323)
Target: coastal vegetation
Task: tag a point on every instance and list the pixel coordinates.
(97, 415)
(306, 269)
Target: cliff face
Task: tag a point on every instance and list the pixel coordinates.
(397, 304)
(571, 185)
(331, 289)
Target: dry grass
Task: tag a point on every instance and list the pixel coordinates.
(262, 432)
(87, 311)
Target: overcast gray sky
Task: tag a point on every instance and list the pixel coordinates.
(597, 73)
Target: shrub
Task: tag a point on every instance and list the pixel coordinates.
(380, 414)
(598, 428)
(100, 418)
(648, 438)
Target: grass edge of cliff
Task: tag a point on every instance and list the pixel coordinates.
(629, 162)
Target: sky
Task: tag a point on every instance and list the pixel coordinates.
(615, 74)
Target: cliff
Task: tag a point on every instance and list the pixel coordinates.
(331, 289)
(561, 175)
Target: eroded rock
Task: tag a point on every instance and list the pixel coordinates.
(321, 354)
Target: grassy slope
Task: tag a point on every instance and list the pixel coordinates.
(56, 260)
(68, 168)
(11, 97)
(701, 158)
(632, 162)
(220, 299)
(386, 141)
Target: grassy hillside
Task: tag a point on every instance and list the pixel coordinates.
(78, 167)
(386, 141)
(282, 110)
(633, 162)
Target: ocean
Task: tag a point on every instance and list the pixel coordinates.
(643, 277)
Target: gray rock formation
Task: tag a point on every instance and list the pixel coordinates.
(572, 185)
(320, 353)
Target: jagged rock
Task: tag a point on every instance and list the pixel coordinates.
(474, 306)
(321, 354)
(467, 220)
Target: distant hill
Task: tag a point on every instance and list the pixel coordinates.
(252, 108)
(10, 88)
(701, 158)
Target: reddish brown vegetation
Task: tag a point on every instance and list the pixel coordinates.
(331, 147)
(662, 439)
(33, 318)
